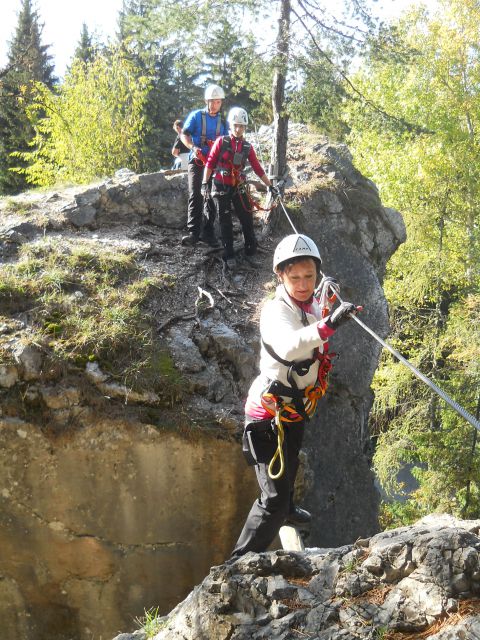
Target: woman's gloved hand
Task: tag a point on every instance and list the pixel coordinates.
(274, 191)
(341, 314)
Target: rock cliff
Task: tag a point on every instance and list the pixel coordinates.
(420, 581)
(124, 362)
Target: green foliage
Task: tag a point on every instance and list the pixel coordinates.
(91, 127)
(397, 513)
(156, 37)
(151, 622)
(28, 62)
(182, 47)
(318, 101)
(430, 172)
(86, 49)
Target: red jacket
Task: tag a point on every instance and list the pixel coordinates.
(221, 164)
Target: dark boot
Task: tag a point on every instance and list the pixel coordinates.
(190, 240)
(298, 517)
(210, 239)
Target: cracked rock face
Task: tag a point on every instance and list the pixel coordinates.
(115, 499)
(326, 594)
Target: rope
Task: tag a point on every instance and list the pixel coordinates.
(279, 452)
(252, 202)
(312, 394)
(458, 408)
(288, 217)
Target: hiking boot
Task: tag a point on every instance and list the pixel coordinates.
(190, 240)
(211, 240)
(298, 517)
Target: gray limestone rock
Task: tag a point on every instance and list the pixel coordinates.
(30, 359)
(83, 216)
(409, 604)
(8, 375)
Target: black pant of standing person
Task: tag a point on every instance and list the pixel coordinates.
(224, 200)
(200, 211)
(272, 509)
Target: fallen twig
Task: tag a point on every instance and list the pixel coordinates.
(172, 319)
(224, 296)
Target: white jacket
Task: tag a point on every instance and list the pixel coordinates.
(281, 327)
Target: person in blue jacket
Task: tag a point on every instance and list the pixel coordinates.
(199, 132)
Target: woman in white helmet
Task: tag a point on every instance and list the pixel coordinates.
(294, 363)
(226, 162)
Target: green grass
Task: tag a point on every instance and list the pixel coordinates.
(89, 303)
(14, 205)
(151, 622)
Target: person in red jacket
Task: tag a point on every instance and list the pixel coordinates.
(226, 162)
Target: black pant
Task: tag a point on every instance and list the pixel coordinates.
(223, 202)
(268, 512)
(198, 210)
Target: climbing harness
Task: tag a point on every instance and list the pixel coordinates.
(295, 411)
(203, 134)
(458, 408)
(303, 401)
(200, 158)
(233, 166)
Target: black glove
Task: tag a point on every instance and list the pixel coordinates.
(341, 314)
(204, 189)
(274, 191)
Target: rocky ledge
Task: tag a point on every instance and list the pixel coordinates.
(413, 582)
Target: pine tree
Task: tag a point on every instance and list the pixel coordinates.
(433, 281)
(28, 62)
(150, 34)
(86, 49)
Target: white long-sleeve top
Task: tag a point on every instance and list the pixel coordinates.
(282, 328)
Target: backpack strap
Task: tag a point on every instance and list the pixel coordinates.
(226, 144)
(246, 146)
(203, 134)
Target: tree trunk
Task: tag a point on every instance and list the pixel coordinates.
(280, 116)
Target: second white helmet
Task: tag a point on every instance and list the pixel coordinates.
(214, 92)
(237, 115)
(295, 246)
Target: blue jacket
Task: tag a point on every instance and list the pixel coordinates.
(214, 126)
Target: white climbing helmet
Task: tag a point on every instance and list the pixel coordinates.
(214, 92)
(237, 115)
(294, 246)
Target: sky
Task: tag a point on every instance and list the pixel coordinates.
(63, 21)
